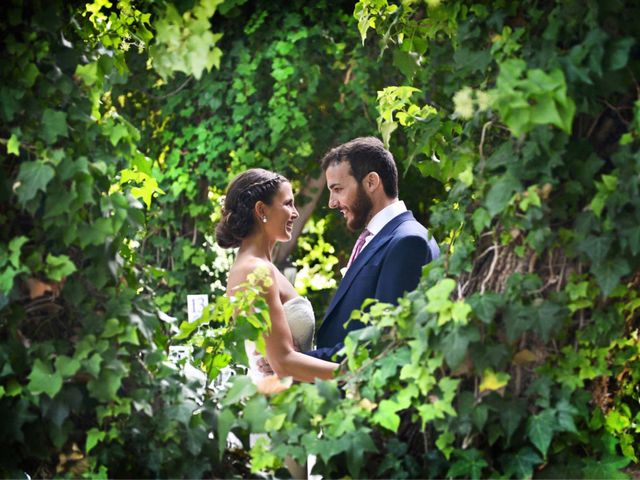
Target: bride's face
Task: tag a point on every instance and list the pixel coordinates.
(281, 214)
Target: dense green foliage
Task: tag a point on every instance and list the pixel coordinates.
(517, 356)
(518, 353)
(82, 357)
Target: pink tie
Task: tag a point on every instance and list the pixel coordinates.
(358, 246)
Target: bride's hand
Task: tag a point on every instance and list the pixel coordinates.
(273, 384)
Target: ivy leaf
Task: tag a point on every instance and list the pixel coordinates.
(241, 387)
(493, 381)
(511, 415)
(33, 176)
(540, 430)
(596, 247)
(549, 316)
(59, 267)
(359, 443)
(93, 437)
(500, 194)
(481, 219)
(521, 464)
(105, 387)
(566, 412)
(42, 379)
(226, 418)
(88, 73)
(13, 145)
(485, 305)
(97, 232)
(609, 273)
(606, 468)
(470, 464)
(455, 346)
(386, 415)
(54, 125)
(619, 53)
(67, 366)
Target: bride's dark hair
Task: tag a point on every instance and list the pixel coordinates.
(243, 192)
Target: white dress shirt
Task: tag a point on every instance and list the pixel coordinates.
(383, 217)
(378, 222)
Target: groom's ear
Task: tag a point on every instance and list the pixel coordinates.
(371, 182)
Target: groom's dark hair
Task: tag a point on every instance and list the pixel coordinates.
(365, 155)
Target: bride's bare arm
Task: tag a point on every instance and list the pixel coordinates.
(281, 354)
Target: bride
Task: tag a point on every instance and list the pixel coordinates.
(258, 211)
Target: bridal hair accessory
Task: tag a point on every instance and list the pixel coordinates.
(221, 200)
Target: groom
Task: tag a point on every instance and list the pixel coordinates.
(392, 248)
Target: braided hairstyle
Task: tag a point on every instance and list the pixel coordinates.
(244, 191)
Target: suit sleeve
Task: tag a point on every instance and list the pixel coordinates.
(402, 267)
(326, 353)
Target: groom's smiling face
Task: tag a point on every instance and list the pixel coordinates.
(348, 195)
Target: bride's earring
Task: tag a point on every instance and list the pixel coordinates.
(264, 219)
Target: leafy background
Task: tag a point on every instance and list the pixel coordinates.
(515, 126)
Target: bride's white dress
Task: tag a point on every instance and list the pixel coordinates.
(301, 320)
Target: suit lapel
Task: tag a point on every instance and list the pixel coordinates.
(363, 258)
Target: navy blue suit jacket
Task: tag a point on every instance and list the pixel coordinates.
(387, 267)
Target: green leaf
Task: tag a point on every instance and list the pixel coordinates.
(226, 419)
(13, 145)
(33, 176)
(619, 53)
(606, 468)
(438, 295)
(540, 430)
(596, 247)
(67, 366)
(58, 267)
(88, 73)
(609, 273)
(481, 219)
(455, 345)
(445, 443)
(549, 316)
(469, 465)
(500, 194)
(93, 437)
(15, 249)
(521, 464)
(42, 379)
(386, 415)
(511, 415)
(485, 305)
(54, 125)
(241, 387)
(105, 387)
(29, 75)
(97, 232)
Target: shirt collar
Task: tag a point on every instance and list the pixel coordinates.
(385, 215)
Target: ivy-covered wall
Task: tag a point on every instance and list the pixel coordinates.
(516, 126)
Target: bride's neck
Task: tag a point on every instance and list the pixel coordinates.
(257, 245)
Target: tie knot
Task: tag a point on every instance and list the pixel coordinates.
(358, 246)
(363, 235)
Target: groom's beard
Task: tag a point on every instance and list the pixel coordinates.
(361, 210)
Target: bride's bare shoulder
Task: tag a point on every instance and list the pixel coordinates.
(244, 267)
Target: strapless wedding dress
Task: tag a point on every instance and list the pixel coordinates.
(299, 314)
